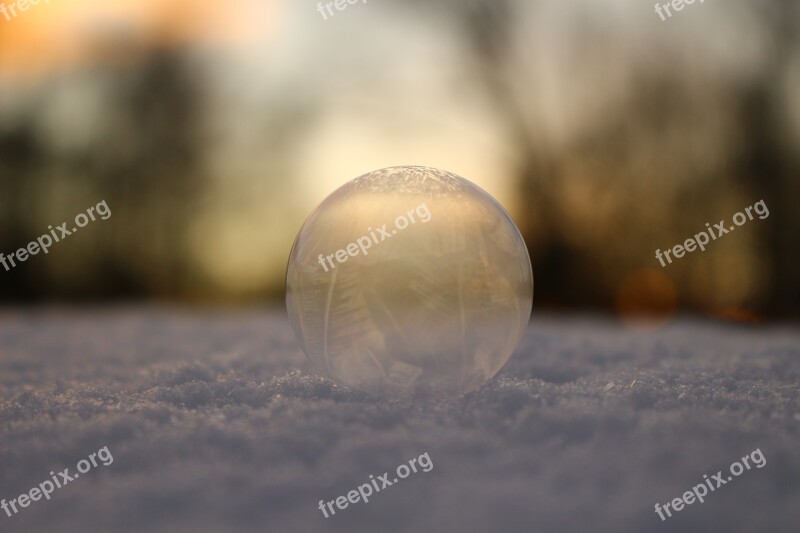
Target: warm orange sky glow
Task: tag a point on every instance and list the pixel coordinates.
(62, 32)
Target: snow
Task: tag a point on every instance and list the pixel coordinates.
(216, 423)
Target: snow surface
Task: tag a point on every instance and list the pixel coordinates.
(215, 424)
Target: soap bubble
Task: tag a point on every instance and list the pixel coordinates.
(409, 281)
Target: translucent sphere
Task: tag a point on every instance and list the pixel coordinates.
(409, 281)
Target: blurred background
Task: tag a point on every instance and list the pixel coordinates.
(212, 129)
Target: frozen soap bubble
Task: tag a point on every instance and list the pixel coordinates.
(409, 281)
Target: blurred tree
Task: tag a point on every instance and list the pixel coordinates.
(20, 154)
(153, 170)
(769, 166)
(147, 165)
